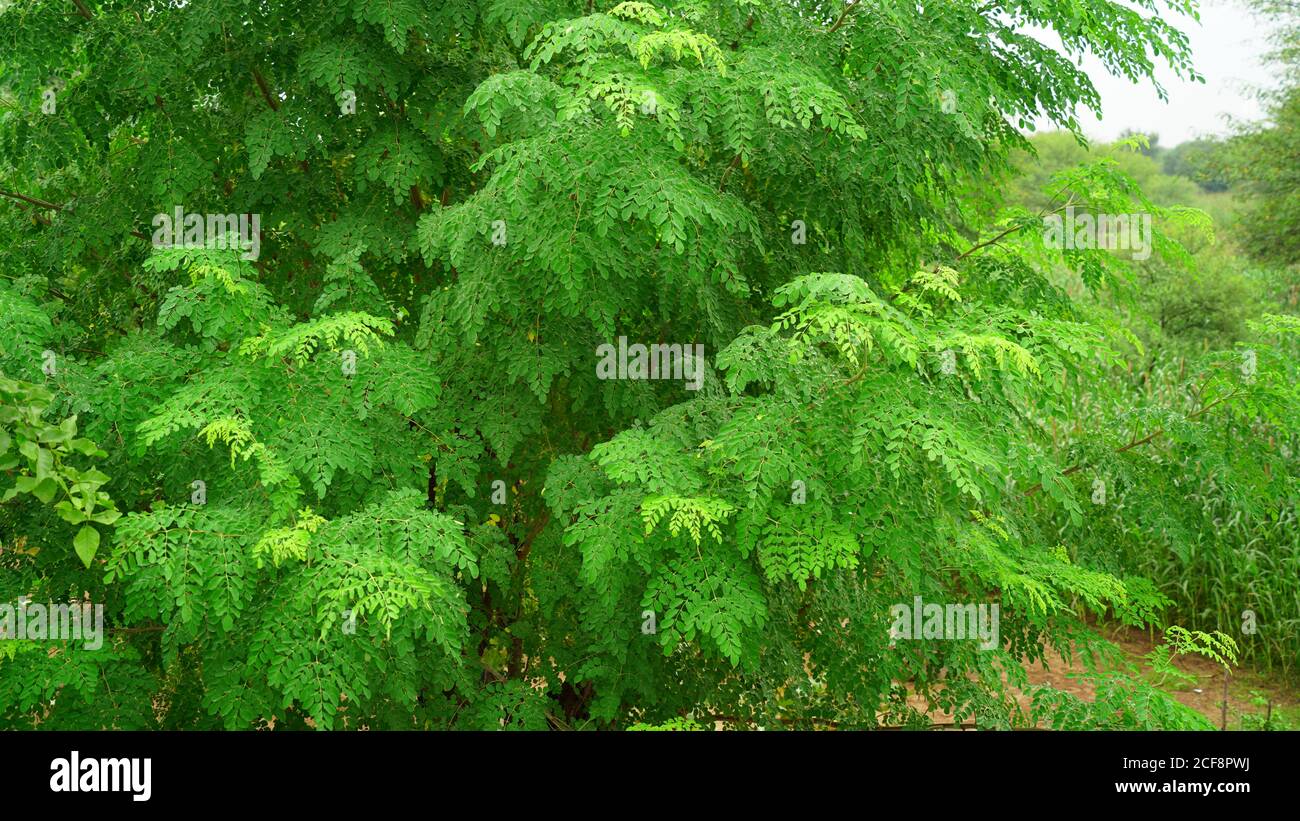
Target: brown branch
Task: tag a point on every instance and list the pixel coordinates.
(40, 218)
(514, 664)
(861, 372)
(82, 10)
(527, 545)
(1137, 443)
(42, 203)
(993, 241)
(54, 207)
(1012, 230)
(844, 15)
(749, 25)
(266, 90)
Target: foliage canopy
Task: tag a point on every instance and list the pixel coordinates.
(460, 201)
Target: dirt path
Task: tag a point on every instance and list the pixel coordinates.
(1205, 695)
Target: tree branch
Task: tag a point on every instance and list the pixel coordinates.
(42, 203)
(1137, 443)
(55, 207)
(266, 90)
(844, 15)
(1012, 230)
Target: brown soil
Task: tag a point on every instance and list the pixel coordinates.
(1205, 695)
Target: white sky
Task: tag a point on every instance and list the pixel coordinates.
(1227, 49)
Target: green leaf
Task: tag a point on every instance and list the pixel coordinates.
(45, 490)
(86, 543)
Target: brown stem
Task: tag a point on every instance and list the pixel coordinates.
(527, 545)
(82, 10)
(844, 15)
(749, 24)
(1137, 443)
(515, 664)
(266, 90)
(1012, 230)
(40, 218)
(42, 203)
(1224, 723)
(53, 207)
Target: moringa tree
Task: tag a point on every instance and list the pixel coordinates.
(368, 472)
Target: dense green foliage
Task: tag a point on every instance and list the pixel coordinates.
(371, 478)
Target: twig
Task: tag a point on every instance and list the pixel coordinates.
(734, 162)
